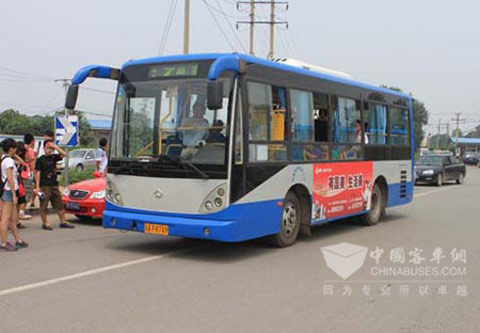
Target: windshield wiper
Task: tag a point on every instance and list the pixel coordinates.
(194, 167)
(182, 162)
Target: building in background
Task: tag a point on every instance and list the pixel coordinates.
(468, 144)
(100, 128)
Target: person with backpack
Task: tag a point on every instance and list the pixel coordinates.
(9, 197)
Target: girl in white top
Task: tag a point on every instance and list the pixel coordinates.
(9, 197)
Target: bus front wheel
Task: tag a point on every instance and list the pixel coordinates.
(377, 207)
(290, 223)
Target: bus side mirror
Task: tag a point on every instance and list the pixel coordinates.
(72, 95)
(215, 95)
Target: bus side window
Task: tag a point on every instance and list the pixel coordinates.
(375, 123)
(266, 122)
(320, 109)
(399, 126)
(347, 129)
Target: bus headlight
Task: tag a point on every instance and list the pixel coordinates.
(112, 194)
(214, 201)
(208, 206)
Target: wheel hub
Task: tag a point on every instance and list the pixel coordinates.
(289, 218)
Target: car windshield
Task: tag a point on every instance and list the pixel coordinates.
(78, 153)
(430, 160)
(169, 118)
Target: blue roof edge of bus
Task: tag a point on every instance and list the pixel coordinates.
(225, 62)
(101, 72)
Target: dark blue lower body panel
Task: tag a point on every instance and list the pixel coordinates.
(233, 224)
(399, 194)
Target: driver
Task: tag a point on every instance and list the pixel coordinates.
(195, 129)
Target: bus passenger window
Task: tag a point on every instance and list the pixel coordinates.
(399, 126)
(375, 123)
(266, 112)
(259, 106)
(346, 121)
(320, 116)
(302, 115)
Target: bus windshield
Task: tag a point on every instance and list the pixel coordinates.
(169, 118)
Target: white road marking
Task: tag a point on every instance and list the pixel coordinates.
(434, 191)
(91, 272)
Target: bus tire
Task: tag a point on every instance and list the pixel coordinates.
(290, 222)
(377, 207)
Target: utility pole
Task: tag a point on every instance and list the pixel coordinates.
(272, 22)
(438, 134)
(252, 26)
(272, 30)
(186, 31)
(65, 84)
(457, 128)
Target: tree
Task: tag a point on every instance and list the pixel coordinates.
(454, 133)
(420, 117)
(444, 142)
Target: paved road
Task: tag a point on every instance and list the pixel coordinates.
(93, 280)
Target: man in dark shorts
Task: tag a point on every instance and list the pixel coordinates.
(47, 184)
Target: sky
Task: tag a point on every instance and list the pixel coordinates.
(428, 48)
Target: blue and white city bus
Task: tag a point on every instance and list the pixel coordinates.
(231, 147)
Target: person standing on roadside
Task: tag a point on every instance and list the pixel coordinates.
(23, 175)
(102, 159)
(9, 183)
(46, 185)
(29, 183)
(39, 149)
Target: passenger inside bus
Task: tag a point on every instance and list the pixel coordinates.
(215, 134)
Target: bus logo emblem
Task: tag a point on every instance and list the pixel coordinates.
(158, 194)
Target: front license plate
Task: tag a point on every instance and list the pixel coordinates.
(157, 229)
(72, 206)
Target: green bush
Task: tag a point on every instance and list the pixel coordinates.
(75, 176)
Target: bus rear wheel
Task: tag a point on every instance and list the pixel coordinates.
(377, 207)
(290, 223)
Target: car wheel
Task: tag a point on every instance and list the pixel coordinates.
(439, 181)
(79, 168)
(376, 207)
(290, 222)
(460, 179)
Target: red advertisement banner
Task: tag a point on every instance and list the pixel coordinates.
(341, 189)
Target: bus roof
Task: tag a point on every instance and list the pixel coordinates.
(266, 63)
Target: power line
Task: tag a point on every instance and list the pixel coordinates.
(223, 12)
(219, 26)
(168, 25)
(271, 22)
(98, 90)
(30, 75)
(229, 26)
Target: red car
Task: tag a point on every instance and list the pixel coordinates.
(86, 199)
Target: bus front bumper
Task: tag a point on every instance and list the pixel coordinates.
(226, 231)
